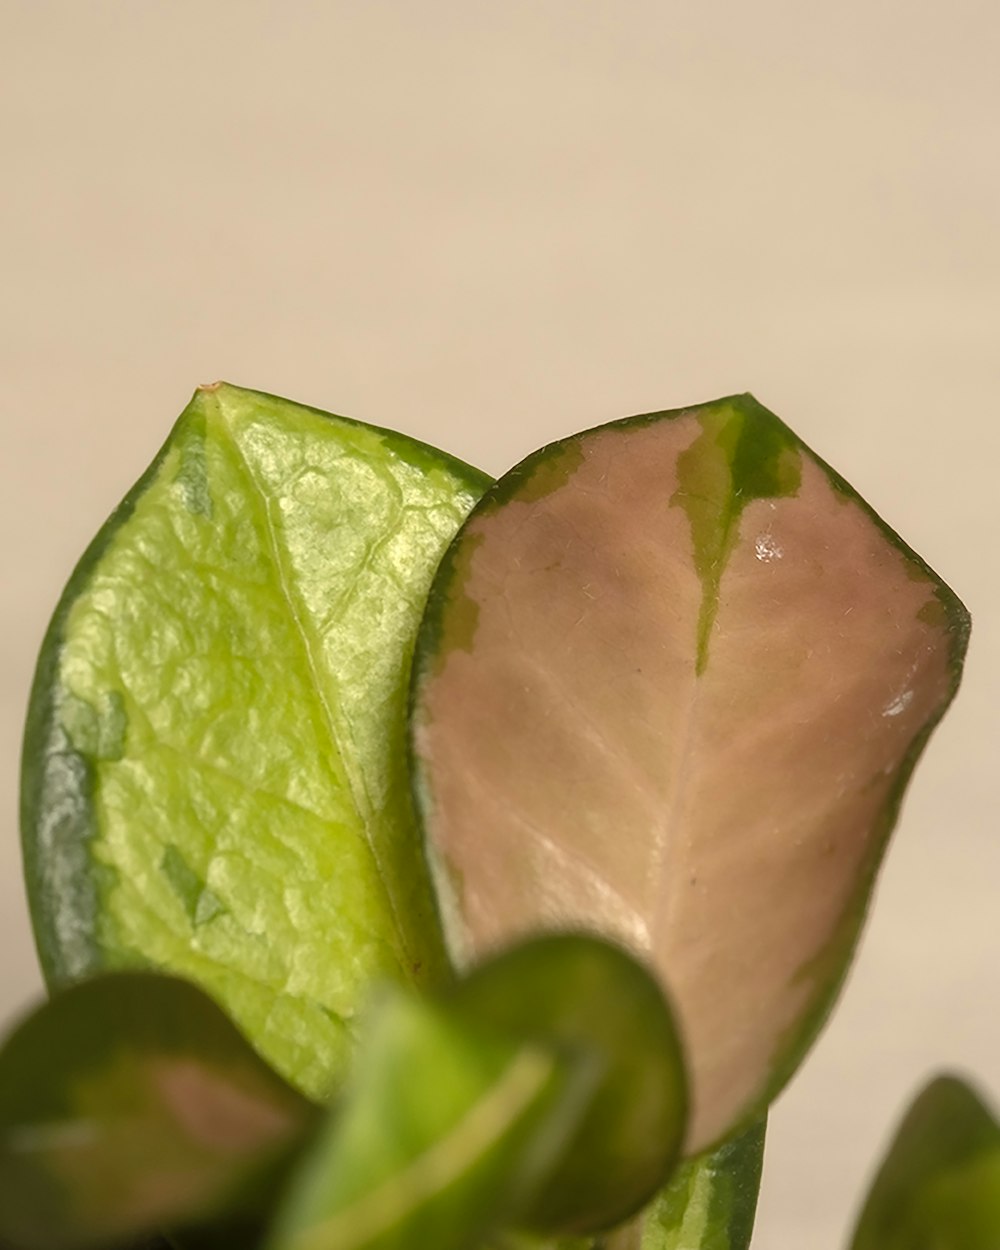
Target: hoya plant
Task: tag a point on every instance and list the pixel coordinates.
(420, 861)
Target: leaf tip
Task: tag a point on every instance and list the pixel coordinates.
(213, 396)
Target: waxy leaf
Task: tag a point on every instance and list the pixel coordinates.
(546, 1090)
(215, 778)
(589, 998)
(129, 1103)
(444, 1131)
(672, 680)
(709, 1204)
(939, 1185)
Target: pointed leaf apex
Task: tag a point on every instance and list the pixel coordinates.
(673, 680)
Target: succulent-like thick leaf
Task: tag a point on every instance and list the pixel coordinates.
(939, 1185)
(709, 1203)
(128, 1103)
(546, 1090)
(672, 681)
(444, 1131)
(214, 762)
(588, 997)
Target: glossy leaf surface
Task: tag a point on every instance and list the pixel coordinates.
(672, 681)
(443, 1132)
(939, 1185)
(130, 1103)
(214, 764)
(588, 998)
(709, 1203)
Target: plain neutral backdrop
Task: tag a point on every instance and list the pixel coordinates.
(492, 224)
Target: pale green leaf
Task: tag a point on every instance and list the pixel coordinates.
(215, 779)
(443, 1132)
(545, 1091)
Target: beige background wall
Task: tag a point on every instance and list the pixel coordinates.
(490, 224)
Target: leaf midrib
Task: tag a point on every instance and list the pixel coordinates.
(440, 1165)
(338, 731)
(730, 516)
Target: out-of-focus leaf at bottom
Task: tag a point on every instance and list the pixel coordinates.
(544, 1092)
(709, 1203)
(443, 1133)
(583, 995)
(129, 1103)
(527, 1241)
(229, 1236)
(939, 1185)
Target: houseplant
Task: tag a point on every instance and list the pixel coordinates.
(659, 701)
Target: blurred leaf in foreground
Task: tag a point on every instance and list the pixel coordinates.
(588, 997)
(938, 1187)
(130, 1103)
(520, 1099)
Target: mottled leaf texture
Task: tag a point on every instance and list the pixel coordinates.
(709, 1204)
(673, 678)
(443, 1131)
(939, 1185)
(214, 764)
(590, 998)
(128, 1103)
